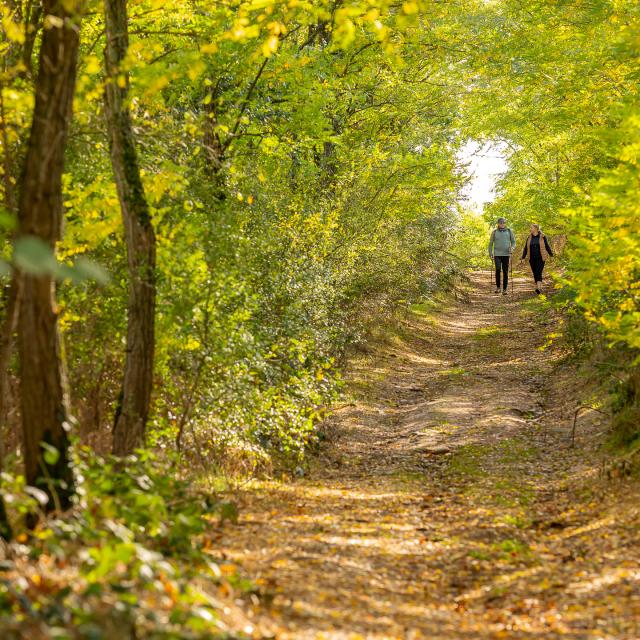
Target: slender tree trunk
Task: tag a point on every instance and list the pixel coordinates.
(214, 148)
(131, 415)
(6, 347)
(33, 20)
(40, 211)
(8, 328)
(11, 316)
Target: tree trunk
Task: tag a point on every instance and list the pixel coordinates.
(11, 316)
(131, 415)
(6, 343)
(213, 146)
(40, 211)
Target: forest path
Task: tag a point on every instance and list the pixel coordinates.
(446, 502)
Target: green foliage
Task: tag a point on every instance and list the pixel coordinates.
(301, 175)
(131, 559)
(605, 225)
(32, 255)
(557, 85)
(300, 165)
(625, 434)
(471, 240)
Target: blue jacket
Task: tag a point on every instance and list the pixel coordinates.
(502, 242)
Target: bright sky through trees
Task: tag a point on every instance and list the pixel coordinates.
(484, 165)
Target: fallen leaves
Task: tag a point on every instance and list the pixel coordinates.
(490, 541)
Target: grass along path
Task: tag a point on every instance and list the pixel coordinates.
(447, 502)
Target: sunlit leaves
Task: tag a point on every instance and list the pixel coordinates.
(275, 142)
(12, 29)
(607, 221)
(564, 93)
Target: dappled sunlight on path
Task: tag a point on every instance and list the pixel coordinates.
(445, 503)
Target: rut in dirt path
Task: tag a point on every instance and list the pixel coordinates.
(468, 375)
(443, 503)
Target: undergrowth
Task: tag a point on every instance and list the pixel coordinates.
(134, 558)
(609, 365)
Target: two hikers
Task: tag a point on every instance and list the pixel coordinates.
(502, 244)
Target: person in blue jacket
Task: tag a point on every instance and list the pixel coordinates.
(501, 246)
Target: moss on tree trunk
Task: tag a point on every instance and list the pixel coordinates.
(133, 410)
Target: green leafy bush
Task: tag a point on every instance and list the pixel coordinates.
(131, 559)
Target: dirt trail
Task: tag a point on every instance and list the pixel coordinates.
(446, 502)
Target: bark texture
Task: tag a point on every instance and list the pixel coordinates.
(10, 319)
(44, 401)
(9, 325)
(132, 413)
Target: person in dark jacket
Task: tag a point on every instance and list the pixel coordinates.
(538, 249)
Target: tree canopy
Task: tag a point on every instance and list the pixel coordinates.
(207, 205)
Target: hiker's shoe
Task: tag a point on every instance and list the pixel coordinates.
(538, 291)
(504, 292)
(497, 290)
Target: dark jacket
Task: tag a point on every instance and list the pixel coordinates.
(545, 249)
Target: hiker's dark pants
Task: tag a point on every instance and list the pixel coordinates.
(537, 265)
(502, 262)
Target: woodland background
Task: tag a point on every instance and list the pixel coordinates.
(236, 192)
